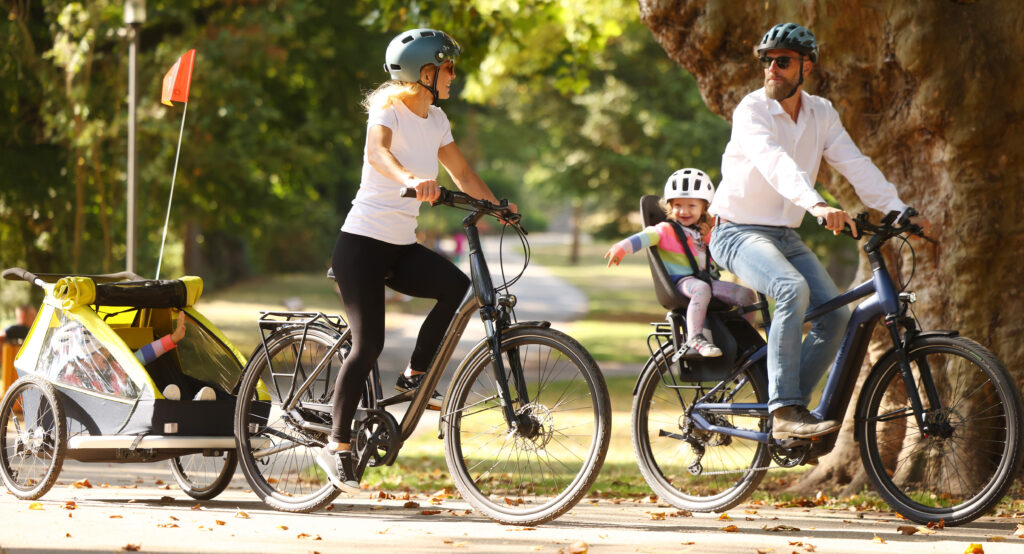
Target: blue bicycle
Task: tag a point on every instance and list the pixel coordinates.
(938, 418)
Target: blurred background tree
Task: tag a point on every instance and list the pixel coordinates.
(570, 109)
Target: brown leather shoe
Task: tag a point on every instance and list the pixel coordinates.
(795, 422)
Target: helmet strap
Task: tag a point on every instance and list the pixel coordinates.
(798, 83)
(433, 86)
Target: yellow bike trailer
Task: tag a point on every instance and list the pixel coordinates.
(81, 392)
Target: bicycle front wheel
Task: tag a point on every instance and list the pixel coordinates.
(966, 461)
(540, 470)
(686, 467)
(277, 449)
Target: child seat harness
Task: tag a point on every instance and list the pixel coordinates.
(702, 274)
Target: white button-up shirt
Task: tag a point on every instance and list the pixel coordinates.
(771, 163)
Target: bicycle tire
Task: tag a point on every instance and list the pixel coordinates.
(970, 460)
(547, 466)
(287, 479)
(665, 457)
(33, 444)
(204, 477)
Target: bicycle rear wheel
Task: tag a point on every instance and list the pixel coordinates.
(668, 447)
(277, 450)
(966, 463)
(203, 476)
(542, 469)
(33, 437)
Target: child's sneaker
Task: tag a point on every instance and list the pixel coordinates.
(339, 465)
(206, 393)
(172, 392)
(703, 347)
(405, 384)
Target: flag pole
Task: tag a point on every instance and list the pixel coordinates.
(170, 197)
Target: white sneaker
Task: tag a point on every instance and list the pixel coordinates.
(205, 393)
(172, 392)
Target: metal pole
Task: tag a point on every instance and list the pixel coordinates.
(133, 46)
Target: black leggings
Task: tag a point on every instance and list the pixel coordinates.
(362, 266)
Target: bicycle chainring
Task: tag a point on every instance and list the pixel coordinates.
(377, 436)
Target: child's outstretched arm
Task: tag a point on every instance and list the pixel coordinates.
(633, 243)
(161, 346)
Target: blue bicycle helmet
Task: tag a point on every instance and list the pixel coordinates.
(411, 50)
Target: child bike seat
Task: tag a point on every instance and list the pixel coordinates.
(664, 287)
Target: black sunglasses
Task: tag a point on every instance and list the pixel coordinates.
(781, 61)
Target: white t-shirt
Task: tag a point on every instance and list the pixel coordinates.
(377, 210)
(771, 163)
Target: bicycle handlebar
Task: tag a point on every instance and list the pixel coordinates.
(456, 198)
(19, 274)
(894, 223)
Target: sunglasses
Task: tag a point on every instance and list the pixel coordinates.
(781, 61)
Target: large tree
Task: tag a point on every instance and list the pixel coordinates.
(931, 92)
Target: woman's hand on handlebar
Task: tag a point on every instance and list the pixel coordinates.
(427, 190)
(834, 219)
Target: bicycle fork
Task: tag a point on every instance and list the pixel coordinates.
(892, 323)
(494, 321)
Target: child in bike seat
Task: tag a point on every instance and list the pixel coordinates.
(682, 244)
(163, 345)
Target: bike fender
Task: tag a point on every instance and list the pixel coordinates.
(481, 348)
(883, 361)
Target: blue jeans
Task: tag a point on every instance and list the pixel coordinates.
(776, 262)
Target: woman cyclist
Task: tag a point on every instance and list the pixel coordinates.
(407, 135)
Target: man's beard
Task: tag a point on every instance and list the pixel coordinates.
(780, 90)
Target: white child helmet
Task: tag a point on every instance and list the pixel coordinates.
(689, 183)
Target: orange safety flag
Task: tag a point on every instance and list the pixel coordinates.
(178, 79)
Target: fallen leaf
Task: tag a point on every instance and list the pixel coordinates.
(925, 530)
(329, 507)
(307, 536)
(219, 522)
(241, 515)
(159, 482)
(1019, 531)
(82, 484)
(974, 548)
(724, 517)
(687, 543)
(778, 528)
(411, 504)
(513, 501)
(35, 506)
(67, 535)
(167, 525)
(116, 517)
(166, 499)
(730, 529)
(70, 505)
(430, 512)
(521, 529)
(907, 529)
(878, 540)
(383, 531)
(131, 547)
(578, 547)
(996, 538)
(765, 550)
(197, 507)
(282, 527)
(657, 516)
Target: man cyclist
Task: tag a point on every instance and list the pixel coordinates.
(779, 136)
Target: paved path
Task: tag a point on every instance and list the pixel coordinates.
(152, 518)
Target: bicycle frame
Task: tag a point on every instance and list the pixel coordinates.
(883, 300)
(483, 299)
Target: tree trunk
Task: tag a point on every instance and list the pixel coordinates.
(930, 91)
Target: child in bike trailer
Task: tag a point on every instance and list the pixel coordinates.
(682, 244)
(407, 134)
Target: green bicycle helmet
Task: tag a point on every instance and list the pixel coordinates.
(790, 36)
(411, 50)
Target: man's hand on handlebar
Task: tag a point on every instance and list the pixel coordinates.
(922, 222)
(834, 219)
(427, 190)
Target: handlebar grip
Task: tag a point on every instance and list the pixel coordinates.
(407, 192)
(846, 228)
(19, 274)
